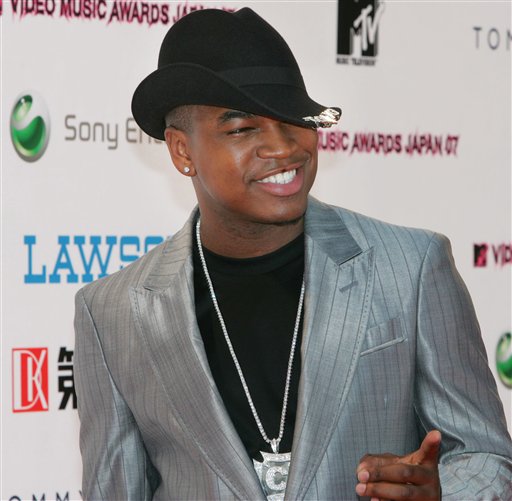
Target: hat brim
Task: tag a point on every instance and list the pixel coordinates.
(184, 84)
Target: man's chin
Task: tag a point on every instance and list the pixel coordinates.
(289, 222)
(290, 219)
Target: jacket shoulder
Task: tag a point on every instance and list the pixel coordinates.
(121, 281)
(372, 232)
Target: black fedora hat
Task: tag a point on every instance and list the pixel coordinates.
(232, 60)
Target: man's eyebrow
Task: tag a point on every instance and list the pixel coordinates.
(232, 115)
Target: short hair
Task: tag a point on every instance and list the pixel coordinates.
(180, 118)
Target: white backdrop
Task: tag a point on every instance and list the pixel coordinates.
(441, 68)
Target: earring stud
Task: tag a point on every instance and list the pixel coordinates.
(186, 170)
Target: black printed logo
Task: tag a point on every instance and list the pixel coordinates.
(358, 23)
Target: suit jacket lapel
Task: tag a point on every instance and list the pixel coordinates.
(339, 285)
(164, 310)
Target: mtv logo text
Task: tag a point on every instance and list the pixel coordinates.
(485, 254)
(29, 379)
(358, 23)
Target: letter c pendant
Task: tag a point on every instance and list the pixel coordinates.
(273, 474)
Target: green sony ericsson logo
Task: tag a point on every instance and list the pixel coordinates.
(30, 126)
(504, 359)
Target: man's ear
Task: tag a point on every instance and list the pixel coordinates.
(178, 146)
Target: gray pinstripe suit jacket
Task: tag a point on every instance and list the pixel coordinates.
(391, 349)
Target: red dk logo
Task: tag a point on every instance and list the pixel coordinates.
(29, 379)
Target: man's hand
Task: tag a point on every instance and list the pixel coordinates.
(415, 476)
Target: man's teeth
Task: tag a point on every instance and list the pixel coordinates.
(281, 178)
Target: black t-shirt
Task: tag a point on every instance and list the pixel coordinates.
(258, 298)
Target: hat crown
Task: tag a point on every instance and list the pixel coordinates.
(230, 60)
(221, 41)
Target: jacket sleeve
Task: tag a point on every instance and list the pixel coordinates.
(455, 390)
(115, 463)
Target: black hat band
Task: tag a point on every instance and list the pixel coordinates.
(264, 75)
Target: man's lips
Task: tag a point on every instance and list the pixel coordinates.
(294, 165)
(280, 178)
(284, 183)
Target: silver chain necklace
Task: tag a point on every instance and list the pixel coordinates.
(273, 471)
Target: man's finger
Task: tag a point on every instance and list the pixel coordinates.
(428, 452)
(397, 492)
(376, 460)
(397, 473)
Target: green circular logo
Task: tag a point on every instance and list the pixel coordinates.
(30, 126)
(504, 359)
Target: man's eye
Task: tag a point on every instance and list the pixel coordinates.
(241, 130)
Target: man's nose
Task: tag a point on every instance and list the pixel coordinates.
(278, 141)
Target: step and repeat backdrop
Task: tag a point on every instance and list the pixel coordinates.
(425, 140)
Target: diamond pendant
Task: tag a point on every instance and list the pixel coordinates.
(273, 474)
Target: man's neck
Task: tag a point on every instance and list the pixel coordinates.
(249, 239)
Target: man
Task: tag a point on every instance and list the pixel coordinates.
(275, 342)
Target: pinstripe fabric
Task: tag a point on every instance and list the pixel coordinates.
(391, 349)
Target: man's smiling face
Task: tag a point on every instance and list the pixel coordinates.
(248, 168)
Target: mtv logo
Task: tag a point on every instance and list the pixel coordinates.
(480, 255)
(29, 379)
(358, 21)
